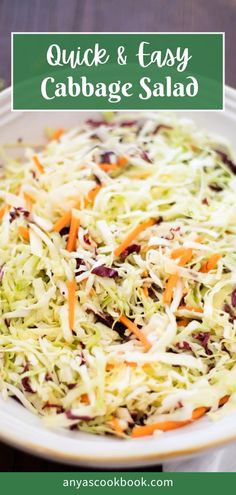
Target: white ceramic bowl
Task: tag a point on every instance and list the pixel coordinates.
(22, 429)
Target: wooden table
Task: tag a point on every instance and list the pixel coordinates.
(108, 15)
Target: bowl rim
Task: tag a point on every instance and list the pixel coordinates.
(110, 462)
(37, 447)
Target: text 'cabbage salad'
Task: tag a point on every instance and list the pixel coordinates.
(118, 276)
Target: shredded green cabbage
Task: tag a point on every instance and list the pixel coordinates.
(86, 376)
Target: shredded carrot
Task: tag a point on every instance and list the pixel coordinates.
(199, 412)
(177, 253)
(114, 422)
(186, 257)
(171, 284)
(146, 430)
(199, 239)
(145, 291)
(58, 133)
(110, 366)
(132, 364)
(146, 366)
(134, 329)
(29, 200)
(191, 308)
(130, 238)
(223, 400)
(28, 196)
(122, 161)
(3, 210)
(84, 398)
(65, 219)
(74, 227)
(38, 164)
(62, 222)
(71, 287)
(211, 263)
(182, 323)
(24, 232)
(108, 167)
(93, 193)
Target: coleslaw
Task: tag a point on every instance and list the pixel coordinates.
(118, 276)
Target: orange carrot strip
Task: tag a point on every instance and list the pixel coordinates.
(93, 193)
(171, 284)
(116, 425)
(145, 291)
(65, 219)
(186, 257)
(24, 232)
(132, 364)
(146, 366)
(71, 287)
(110, 366)
(223, 400)
(29, 196)
(84, 398)
(107, 167)
(211, 263)
(74, 227)
(122, 161)
(177, 253)
(199, 239)
(3, 210)
(182, 323)
(199, 412)
(29, 200)
(134, 329)
(190, 308)
(146, 430)
(58, 133)
(38, 164)
(130, 238)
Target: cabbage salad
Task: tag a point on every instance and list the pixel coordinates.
(118, 276)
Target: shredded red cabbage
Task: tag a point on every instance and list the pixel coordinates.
(17, 212)
(82, 418)
(215, 187)
(184, 346)
(227, 308)
(58, 408)
(105, 271)
(97, 123)
(144, 156)
(133, 248)
(227, 161)
(129, 123)
(162, 126)
(64, 231)
(26, 384)
(106, 156)
(233, 298)
(203, 338)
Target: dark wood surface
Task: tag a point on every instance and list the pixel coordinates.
(108, 15)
